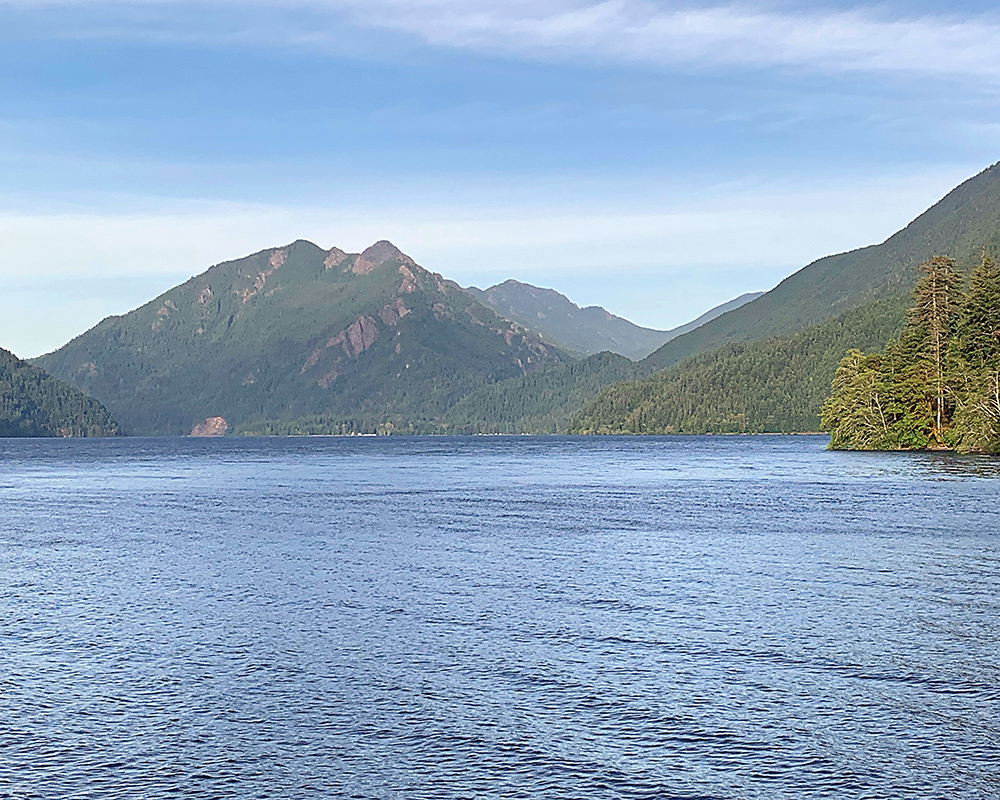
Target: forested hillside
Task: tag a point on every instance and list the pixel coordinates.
(741, 381)
(542, 402)
(296, 332)
(774, 385)
(33, 403)
(965, 220)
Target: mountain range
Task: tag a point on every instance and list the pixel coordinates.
(300, 339)
(585, 331)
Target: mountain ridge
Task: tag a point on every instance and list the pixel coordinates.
(587, 330)
(965, 219)
(294, 331)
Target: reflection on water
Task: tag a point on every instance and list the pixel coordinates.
(717, 617)
(940, 464)
(963, 466)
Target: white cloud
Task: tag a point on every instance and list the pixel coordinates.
(639, 31)
(729, 228)
(624, 31)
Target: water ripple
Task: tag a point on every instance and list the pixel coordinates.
(519, 618)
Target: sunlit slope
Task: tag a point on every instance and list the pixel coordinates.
(33, 403)
(297, 331)
(960, 224)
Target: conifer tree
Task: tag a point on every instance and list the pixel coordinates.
(978, 332)
(977, 364)
(931, 324)
(857, 412)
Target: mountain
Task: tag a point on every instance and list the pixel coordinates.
(33, 403)
(764, 367)
(362, 339)
(772, 385)
(544, 401)
(960, 224)
(583, 331)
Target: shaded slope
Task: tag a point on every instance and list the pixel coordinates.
(765, 386)
(544, 401)
(962, 222)
(33, 403)
(297, 331)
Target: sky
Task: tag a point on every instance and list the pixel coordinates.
(655, 158)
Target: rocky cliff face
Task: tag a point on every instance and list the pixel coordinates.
(295, 331)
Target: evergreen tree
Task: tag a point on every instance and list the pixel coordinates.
(976, 426)
(931, 324)
(976, 349)
(978, 333)
(857, 412)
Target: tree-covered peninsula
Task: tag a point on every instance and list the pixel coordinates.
(936, 386)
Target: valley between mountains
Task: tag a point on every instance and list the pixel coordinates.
(304, 340)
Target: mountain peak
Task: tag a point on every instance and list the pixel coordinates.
(583, 331)
(383, 251)
(322, 333)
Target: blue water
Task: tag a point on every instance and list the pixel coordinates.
(695, 617)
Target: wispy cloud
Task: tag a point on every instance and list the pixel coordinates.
(617, 31)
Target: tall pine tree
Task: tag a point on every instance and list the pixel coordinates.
(932, 322)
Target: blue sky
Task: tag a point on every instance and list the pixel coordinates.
(655, 158)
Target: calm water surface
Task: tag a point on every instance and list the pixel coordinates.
(497, 617)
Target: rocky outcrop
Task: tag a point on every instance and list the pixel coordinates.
(359, 336)
(394, 312)
(383, 251)
(334, 258)
(212, 426)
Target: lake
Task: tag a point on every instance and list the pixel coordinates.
(676, 617)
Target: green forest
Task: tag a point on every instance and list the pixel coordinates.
(935, 386)
(33, 403)
(540, 402)
(771, 386)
